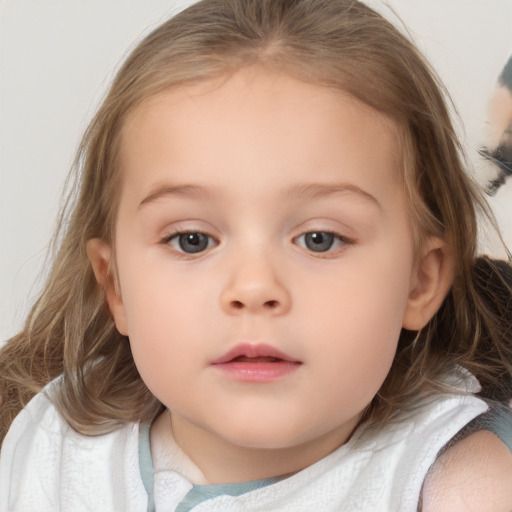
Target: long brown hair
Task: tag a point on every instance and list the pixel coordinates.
(340, 44)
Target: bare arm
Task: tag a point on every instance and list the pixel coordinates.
(474, 475)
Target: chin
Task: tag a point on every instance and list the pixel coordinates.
(266, 436)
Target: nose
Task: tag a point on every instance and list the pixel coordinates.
(253, 286)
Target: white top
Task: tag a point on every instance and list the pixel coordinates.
(45, 466)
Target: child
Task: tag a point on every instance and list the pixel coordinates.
(266, 295)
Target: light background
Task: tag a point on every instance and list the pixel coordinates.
(58, 56)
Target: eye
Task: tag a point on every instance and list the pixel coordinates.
(191, 242)
(321, 241)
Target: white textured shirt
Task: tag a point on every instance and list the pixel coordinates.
(45, 466)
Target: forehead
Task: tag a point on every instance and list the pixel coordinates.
(254, 121)
(262, 87)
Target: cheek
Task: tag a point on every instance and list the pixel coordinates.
(357, 327)
(162, 320)
(158, 295)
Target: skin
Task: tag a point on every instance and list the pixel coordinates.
(258, 148)
(475, 475)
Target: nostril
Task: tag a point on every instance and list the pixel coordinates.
(269, 304)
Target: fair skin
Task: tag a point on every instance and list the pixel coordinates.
(475, 475)
(229, 192)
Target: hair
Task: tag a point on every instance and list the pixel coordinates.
(339, 44)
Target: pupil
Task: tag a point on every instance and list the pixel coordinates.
(193, 239)
(193, 242)
(319, 242)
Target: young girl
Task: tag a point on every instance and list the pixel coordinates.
(266, 295)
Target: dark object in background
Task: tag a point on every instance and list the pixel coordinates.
(501, 153)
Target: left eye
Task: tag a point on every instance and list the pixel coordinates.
(190, 243)
(320, 241)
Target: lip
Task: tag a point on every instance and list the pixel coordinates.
(256, 363)
(253, 351)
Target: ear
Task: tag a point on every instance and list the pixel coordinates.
(430, 283)
(100, 256)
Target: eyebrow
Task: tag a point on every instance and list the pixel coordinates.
(320, 190)
(185, 190)
(306, 191)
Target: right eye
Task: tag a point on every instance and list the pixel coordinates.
(191, 242)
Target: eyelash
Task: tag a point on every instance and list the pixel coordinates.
(167, 240)
(336, 236)
(330, 252)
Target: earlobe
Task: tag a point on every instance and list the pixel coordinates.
(430, 284)
(100, 256)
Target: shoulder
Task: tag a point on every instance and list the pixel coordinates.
(40, 421)
(36, 430)
(37, 417)
(45, 464)
(475, 474)
(29, 458)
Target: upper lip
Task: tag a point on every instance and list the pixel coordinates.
(254, 350)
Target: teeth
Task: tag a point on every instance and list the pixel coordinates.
(244, 359)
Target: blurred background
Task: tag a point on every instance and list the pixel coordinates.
(57, 58)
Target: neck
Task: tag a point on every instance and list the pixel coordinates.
(221, 461)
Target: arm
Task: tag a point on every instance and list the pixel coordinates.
(474, 475)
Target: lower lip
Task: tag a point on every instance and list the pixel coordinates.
(257, 372)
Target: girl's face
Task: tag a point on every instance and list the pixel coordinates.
(265, 259)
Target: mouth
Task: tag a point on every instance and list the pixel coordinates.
(259, 353)
(245, 359)
(256, 363)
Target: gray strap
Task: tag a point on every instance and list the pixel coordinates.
(497, 419)
(146, 465)
(203, 492)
